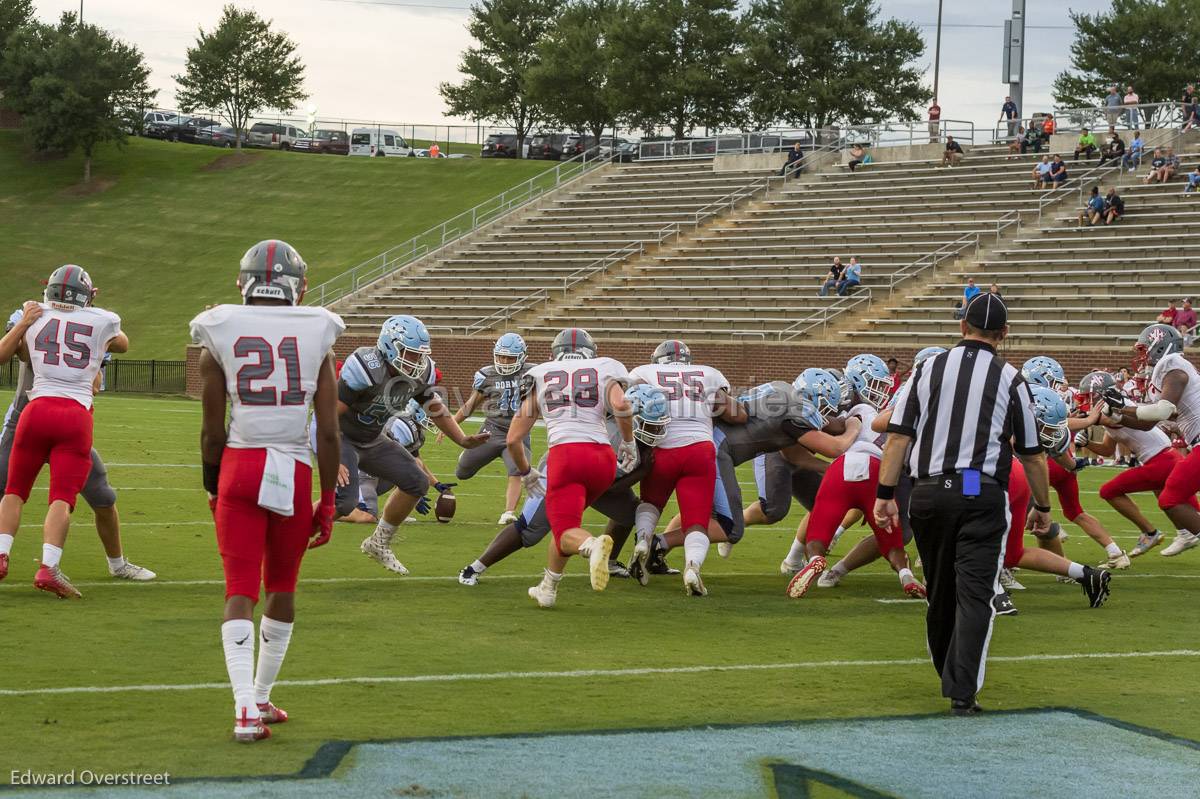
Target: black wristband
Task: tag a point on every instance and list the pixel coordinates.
(885, 492)
(1041, 508)
(212, 477)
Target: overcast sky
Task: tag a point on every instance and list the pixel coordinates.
(380, 60)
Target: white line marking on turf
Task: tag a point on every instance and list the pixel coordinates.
(900, 601)
(572, 674)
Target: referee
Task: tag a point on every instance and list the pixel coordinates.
(963, 412)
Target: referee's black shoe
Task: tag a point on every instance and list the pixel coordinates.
(965, 707)
(1003, 604)
(1095, 585)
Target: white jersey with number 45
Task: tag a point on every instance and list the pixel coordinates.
(66, 349)
(271, 356)
(572, 397)
(690, 390)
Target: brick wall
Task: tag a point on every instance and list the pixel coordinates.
(743, 364)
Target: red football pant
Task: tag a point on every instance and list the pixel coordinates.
(1018, 508)
(258, 546)
(53, 430)
(1066, 485)
(576, 475)
(1182, 484)
(836, 497)
(690, 472)
(1150, 476)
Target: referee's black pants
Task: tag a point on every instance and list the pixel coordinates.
(961, 542)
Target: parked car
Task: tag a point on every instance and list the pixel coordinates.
(548, 146)
(607, 143)
(334, 142)
(181, 127)
(577, 143)
(627, 152)
(500, 145)
(273, 135)
(221, 136)
(138, 126)
(378, 142)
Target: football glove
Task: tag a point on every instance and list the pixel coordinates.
(532, 481)
(1081, 464)
(1115, 401)
(442, 488)
(627, 456)
(323, 514)
(423, 506)
(1082, 439)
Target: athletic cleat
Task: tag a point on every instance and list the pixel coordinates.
(1183, 541)
(599, 548)
(247, 730)
(617, 569)
(1145, 543)
(692, 584)
(468, 576)
(54, 581)
(638, 566)
(381, 553)
(1062, 578)
(658, 564)
(1008, 582)
(3, 565)
(787, 568)
(134, 572)
(964, 707)
(543, 594)
(1095, 585)
(829, 578)
(724, 549)
(804, 578)
(269, 714)
(1003, 605)
(1057, 531)
(508, 517)
(913, 589)
(1118, 562)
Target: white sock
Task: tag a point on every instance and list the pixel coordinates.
(550, 578)
(795, 555)
(51, 555)
(695, 547)
(115, 564)
(1113, 550)
(237, 637)
(836, 535)
(840, 569)
(478, 567)
(6, 542)
(906, 576)
(273, 644)
(1075, 571)
(385, 531)
(645, 519)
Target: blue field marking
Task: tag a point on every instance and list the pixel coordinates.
(1005, 754)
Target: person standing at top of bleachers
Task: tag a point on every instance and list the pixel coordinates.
(1131, 107)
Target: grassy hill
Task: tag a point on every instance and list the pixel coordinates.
(163, 226)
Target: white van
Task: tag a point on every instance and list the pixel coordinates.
(377, 142)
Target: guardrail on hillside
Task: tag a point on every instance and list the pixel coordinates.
(396, 258)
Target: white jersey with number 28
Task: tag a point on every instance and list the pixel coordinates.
(690, 390)
(271, 356)
(66, 349)
(572, 396)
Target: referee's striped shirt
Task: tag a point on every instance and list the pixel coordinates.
(961, 408)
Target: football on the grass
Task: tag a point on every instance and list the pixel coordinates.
(445, 507)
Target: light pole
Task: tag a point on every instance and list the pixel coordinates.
(937, 53)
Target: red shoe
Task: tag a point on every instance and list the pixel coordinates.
(271, 714)
(54, 581)
(247, 730)
(915, 590)
(3, 565)
(804, 578)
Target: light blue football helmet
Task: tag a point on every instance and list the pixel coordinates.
(13, 318)
(651, 413)
(1051, 414)
(928, 352)
(819, 389)
(1041, 370)
(414, 410)
(509, 345)
(404, 343)
(870, 379)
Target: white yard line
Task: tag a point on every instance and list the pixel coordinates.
(577, 673)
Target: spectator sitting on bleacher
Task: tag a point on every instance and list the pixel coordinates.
(858, 155)
(970, 292)
(1156, 164)
(1170, 167)
(1185, 319)
(1093, 212)
(795, 154)
(1041, 173)
(1167, 317)
(832, 276)
(1114, 206)
(954, 152)
(1193, 181)
(995, 289)
(1016, 143)
(1133, 156)
(1086, 144)
(851, 277)
(1113, 148)
(1032, 140)
(1058, 171)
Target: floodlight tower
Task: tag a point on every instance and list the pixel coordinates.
(1014, 54)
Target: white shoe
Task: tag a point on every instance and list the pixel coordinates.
(1118, 562)
(132, 571)
(597, 550)
(508, 517)
(1146, 543)
(724, 549)
(637, 566)
(544, 594)
(1008, 582)
(692, 584)
(787, 568)
(380, 552)
(1183, 541)
(829, 579)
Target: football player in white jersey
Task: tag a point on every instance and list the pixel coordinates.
(685, 460)
(574, 393)
(1174, 392)
(269, 361)
(64, 341)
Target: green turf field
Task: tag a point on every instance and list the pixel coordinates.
(423, 657)
(168, 228)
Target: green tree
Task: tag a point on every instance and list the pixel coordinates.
(496, 87)
(76, 86)
(241, 67)
(1148, 43)
(818, 63)
(14, 15)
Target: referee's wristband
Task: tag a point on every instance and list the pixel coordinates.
(885, 492)
(1041, 508)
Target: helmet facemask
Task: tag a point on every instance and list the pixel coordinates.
(508, 363)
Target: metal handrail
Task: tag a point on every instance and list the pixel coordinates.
(827, 312)
(508, 311)
(1096, 117)
(452, 230)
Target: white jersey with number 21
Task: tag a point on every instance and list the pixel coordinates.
(572, 396)
(690, 390)
(66, 349)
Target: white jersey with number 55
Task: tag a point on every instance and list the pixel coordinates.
(66, 349)
(271, 356)
(690, 390)
(572, 396)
